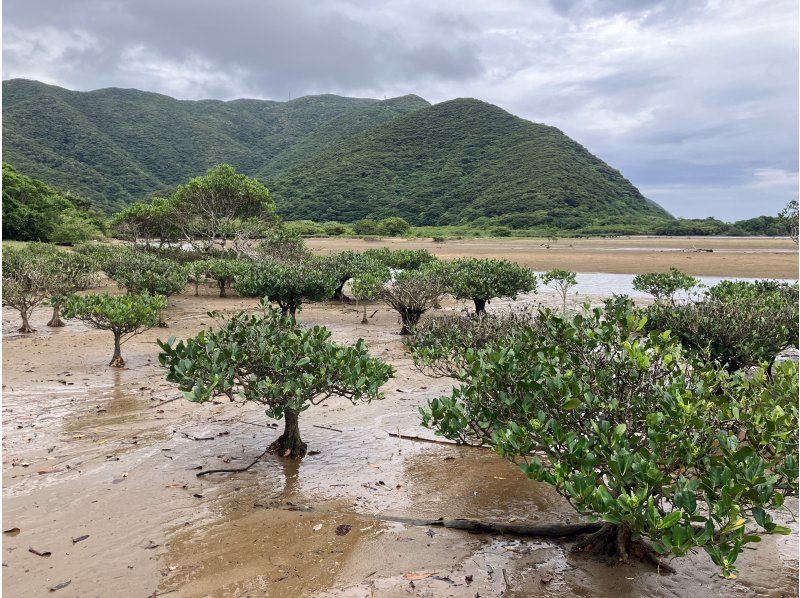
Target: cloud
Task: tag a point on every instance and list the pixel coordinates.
(685, 97)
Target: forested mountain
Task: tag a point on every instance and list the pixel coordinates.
(462, 160)
(323, 157)
(119, 145)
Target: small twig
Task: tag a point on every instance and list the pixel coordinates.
(325, 428)
(236, 470)
(164, 403)
(191, 437)
(373, 314)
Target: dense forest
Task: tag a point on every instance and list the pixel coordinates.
(324, 157)
(344, 163)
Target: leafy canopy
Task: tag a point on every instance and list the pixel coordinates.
(738, 324)
(124, 314)
(140, 271)
(288, 285)
(664, 285)
(633, 430)
(472, 278)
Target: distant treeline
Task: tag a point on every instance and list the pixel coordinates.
(34, 211)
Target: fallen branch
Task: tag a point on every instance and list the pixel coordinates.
(325, 428)
(191, 437)
(164, 403)
(235, 470)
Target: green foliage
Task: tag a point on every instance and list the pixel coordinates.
(789, 220)
(413, 292)
(484, 279)
(27, 276)
(458, 161)
(335, 229)
(440, 344)
(70, 272)
(401, 259)
(224, 271)
(124, 315)
(664, 285)
(633, 430)
(369, 282)
(561, 281)
(33, 211)
(282, 244)
(738, 324)
(116, 146)
(154, 219)
(304, 228)
(219, 206)
(366, 227)
(140, 271)
(288, 285)
(394, 226)
(343, 266)
(271, 360)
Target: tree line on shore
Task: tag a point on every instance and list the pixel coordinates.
(672, 424)
(34, 211)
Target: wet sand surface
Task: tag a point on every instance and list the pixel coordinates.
(749, 257)
(103, 453)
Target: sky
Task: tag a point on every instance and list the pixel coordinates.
(696, 102)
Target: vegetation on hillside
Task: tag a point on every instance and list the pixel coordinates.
(34, 211)
(463, 161)
(116, 146)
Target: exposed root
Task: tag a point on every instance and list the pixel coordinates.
(616, 542)
(236, 469)
(117, 362)
(288, 446)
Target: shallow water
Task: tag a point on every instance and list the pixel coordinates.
(604, 283)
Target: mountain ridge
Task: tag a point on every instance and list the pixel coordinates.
(323, 156)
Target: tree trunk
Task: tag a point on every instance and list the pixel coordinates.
(196, 288)
(116, 360)
(26, 327)
(161, 322)
(222, 291)
(617, 542)
(289, 444)
(480, 306)
(364, 319)
(338, 294)
(409, 318)
(55, 321)
(293, 311)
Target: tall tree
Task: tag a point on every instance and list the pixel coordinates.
(220, 207)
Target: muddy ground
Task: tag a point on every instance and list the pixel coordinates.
(99, 471)
(750, 257)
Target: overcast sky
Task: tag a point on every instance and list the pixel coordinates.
(695, 102)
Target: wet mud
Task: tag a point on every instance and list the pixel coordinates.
(99, 470)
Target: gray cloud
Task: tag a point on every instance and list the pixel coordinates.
(696, 102)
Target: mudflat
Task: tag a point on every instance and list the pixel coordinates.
(748, 257)
(100, 468)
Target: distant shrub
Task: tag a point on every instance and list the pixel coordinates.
(500, 231)
(401, 259)
(481, 280)
(394, 226)
(304, 228)
(335, 229)
(739, 325)
(413, 292)
(664, 285)
(561, 281)
(367, 226)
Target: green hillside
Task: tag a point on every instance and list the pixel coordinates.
(462, 160)
(323, 157)
(119, 145)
